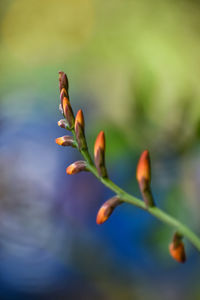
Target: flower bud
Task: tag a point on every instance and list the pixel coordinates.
(65, 141)
(107, 209)
(99, 154)
(63, 123)
(68, 112)
(79, 130)
(63, 94)
(63, 81)
(144, 167)
(80, 119)
(143, 175)
(176, 249)
(76, 167)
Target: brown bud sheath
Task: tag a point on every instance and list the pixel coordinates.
(65, 141)
(143, 175)
(76, 167)
(176, 249)
(68, 112)
(63, 81)
(107, 209)
(99, 154)
(80, 130)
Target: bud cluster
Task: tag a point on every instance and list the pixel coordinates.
(76, 125)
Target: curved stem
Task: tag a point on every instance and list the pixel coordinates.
(126, 197)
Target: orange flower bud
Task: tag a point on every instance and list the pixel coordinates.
(79, 130)
(68, 112)
(63, 81)
(99, 143)
(143, 175)
(178, 252)
(99, 154)
(76, 167)
(144, 167)
(107, 209)
(63, 94)
(79, 119)
(65, 141)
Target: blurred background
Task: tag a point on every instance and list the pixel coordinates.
(134, 69)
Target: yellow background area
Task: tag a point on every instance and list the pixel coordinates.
(38, 31)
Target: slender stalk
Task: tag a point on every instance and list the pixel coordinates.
(155, 211)
(76, 126)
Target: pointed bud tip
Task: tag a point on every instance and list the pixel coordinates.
(79, 118)
(68, 112)
(101, 215)
(63, 80)
(63, 93)
(143, 167)
(65, 101)
(59, 141)
(70, 169)
(100, 142)
(61, 74)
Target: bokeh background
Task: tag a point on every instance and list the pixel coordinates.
(134, 69)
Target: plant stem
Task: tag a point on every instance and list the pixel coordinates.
(126, 197)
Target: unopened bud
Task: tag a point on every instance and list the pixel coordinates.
(144, 167)
(107, 209)
(79, 130)
(65, 141)
(143, 175)
(99, 154)
(63, 124)
(63, 94)
(176, 249)
(68, 112)
(63, 81)
(77, 167)
(80, 119)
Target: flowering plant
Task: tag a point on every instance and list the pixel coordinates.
(76, 126)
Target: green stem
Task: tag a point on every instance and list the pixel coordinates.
(155, 211)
